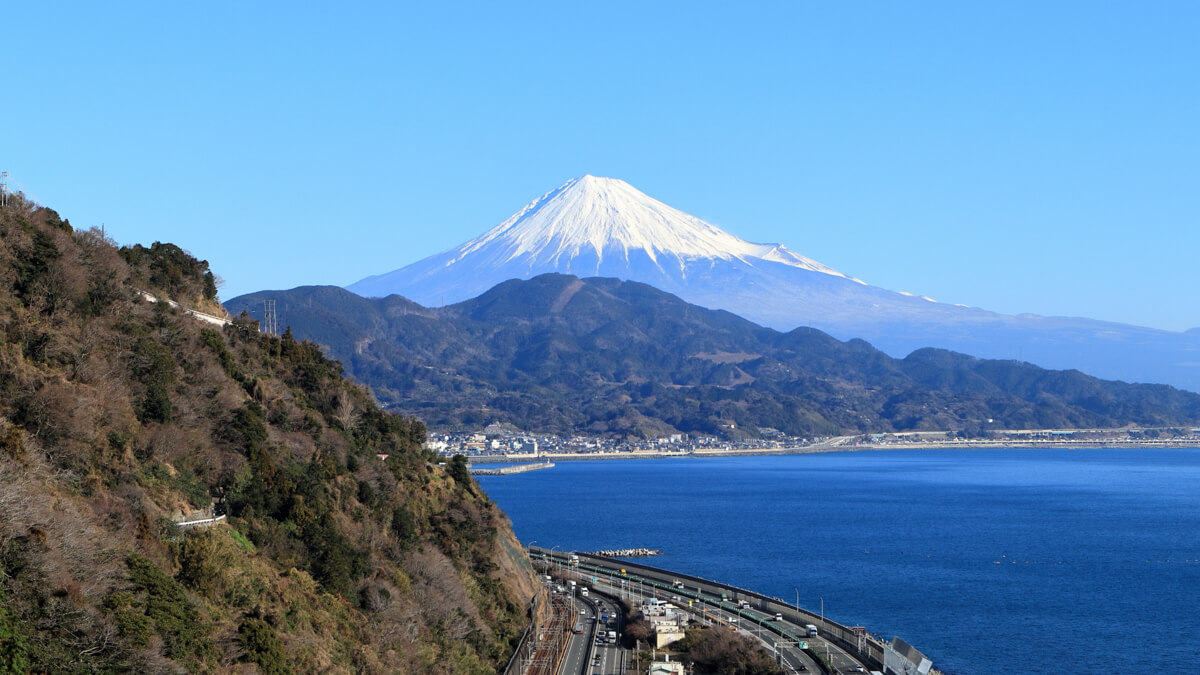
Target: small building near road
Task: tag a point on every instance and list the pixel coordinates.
(667, 667)
(667, 629)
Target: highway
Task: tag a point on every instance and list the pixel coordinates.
(575, 658)
(787, 638)
(608, 656)
(589, 651)
(788, 653)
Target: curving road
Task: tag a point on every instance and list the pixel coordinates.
(786, 638)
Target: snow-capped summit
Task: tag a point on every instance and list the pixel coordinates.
(605, 227)
(598, 218)
(588, 226)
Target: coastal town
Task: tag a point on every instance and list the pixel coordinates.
(505, 443)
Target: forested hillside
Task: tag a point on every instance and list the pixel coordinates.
(347, 547)
(560, 354)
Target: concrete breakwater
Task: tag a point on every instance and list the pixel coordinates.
(626, 552)
(508, 470)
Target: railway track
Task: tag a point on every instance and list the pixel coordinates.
(552, 639)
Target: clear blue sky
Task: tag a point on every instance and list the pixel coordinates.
(1017, 156)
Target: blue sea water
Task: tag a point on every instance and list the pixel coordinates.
(988, 561)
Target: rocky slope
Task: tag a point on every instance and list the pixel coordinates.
(346, 546)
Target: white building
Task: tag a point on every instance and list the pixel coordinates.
(667, 629)
(667, 667)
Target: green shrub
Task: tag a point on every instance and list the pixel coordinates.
(461, 473)
(12, 443)
(263, 647)
(404, 526)
(174, 616)
(242, 541)
(200, 561)
(14, 654)
(130, 617)
(156, 405)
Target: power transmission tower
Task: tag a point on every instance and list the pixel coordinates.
(270, 322)
(3, 188)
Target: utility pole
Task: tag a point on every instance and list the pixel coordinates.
(779, 647)
(823, 631)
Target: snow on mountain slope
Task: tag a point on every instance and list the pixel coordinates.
(609, 216)
(589, 226)
(605, 227)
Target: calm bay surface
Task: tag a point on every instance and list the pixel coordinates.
(989, 561)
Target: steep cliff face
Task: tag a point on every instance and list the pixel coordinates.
(345, 546)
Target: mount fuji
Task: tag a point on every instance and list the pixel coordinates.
(604, 227)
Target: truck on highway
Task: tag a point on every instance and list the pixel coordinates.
(744, 604)
(612, 636)
(812, 630)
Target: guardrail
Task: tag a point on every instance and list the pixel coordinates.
(208, 318)
(202, 521)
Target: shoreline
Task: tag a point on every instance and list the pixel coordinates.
(1177, 444)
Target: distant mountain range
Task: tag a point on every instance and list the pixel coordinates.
(561, 354)
(605, 227)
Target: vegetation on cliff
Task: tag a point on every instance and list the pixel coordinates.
(346, 547)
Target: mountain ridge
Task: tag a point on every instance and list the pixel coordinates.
(562, 354)
(604, 227)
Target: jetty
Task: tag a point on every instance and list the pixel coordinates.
(509, 470)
